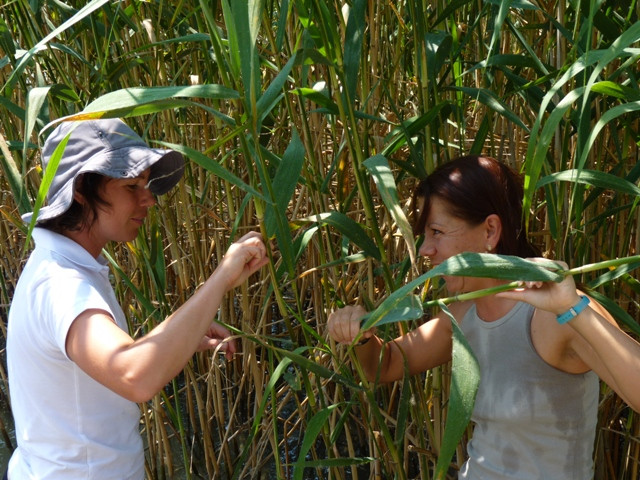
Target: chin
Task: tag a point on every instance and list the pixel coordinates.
(456, 285)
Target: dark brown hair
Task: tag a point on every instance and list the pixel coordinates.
(81, 215)
(476, 187)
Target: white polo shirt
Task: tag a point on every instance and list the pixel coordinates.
(68, 426)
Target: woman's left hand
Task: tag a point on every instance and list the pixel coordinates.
(555, 297)
(218, 336)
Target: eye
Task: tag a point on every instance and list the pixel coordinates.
(435, 232)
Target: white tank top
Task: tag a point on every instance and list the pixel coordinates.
(532, 421)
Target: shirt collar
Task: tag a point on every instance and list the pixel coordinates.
(64, 246)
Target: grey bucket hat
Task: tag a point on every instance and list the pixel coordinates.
(108, 147)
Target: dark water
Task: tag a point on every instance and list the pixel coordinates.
(7, 420)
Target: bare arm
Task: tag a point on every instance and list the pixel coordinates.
(596, 340)
(138, 369)
(423, 348)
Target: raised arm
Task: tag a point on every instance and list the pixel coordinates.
(421, 349)
(138, 369)
(597, 339)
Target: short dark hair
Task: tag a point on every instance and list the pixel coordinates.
(476, 187)
(81, 215)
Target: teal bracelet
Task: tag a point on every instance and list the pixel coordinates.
(573, 311)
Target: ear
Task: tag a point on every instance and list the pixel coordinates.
(493, 230)
(77, 196)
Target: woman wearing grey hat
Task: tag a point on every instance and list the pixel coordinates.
(74, 371)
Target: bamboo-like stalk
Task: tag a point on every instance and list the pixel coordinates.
(208, 412)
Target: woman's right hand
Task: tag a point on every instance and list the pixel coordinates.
(243, 258)
(344, 324)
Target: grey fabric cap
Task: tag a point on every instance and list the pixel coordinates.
(108, 147)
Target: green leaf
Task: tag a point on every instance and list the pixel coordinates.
(616, 90)
(214, 167)
(84, 12)
(283, 187)
(272, 94)
(465, 378)
(437, 47)
(35, 100)
(488, 98)
(246, 16)
(312, 430)
(284, 183)
(354, 36)
(378, 167)
(49, 173)
(132, 97)
(406, 309)
(318, 97)
(594, 178)
(484, 265)
(503, 267)
(348, 227)
(314, 367)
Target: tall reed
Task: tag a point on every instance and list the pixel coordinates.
(312, 121)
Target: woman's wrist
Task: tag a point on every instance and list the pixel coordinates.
(573, 311)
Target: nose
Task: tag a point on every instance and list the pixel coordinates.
(147, 198)
(427, 249)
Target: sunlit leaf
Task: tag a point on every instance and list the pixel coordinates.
(379, 169)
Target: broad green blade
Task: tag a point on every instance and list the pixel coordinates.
(378, 167)
(503, 267)
(406, 309)
(465, 378)
(49, 173)
(132, 97)
(354, 36)
(489, 98)
(283, 187)
(348, 227)
(284, 184)
(594, 178)
(272, 95)
(484, 265)
(311, 432)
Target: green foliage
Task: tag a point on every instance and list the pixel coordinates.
(313, 121)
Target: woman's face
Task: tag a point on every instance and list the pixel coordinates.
(446, 235)
(120, 221)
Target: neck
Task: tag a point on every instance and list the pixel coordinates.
(85, 240)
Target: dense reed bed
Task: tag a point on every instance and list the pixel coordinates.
(312, 121)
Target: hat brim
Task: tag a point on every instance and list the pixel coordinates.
(167, 168)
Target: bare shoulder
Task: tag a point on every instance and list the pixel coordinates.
(558, 344)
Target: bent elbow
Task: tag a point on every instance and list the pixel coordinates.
(138, 389)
